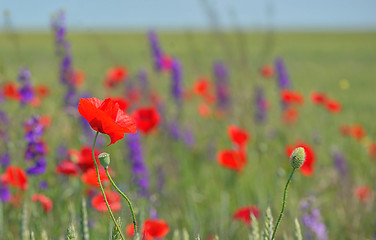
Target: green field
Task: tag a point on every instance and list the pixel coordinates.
(199, 195)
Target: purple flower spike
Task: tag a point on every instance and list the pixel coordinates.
(282, 74)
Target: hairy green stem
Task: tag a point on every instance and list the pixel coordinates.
(102, 190)
(283, 203)
(125, 197)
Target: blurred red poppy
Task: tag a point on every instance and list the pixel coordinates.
(15, 177)
(372, 150)
(357, 132)
(244, 214)
(307, 168)
(290, 115)
(123, 104)
(43, 200)
(289, 96)
(237, 135)
(113, 199)
(146, 118)
(204, 110)
(115, 76)
(318, 98)
(106, 117)
(202, 86)
(234, 160)
(153, 228)
(91, 179)
(84, 157)
(363, 193)
(68, 168)
(333, 106)
(10, 91)
(78, 78)
(42, 91)
(267, 71)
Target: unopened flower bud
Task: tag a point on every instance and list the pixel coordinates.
(104, 159)
(297, 157)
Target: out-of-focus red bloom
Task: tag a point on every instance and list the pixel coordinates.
(372, 150)
(15, 177)
(202, 86)
(204, 110)
(43, 200)
(333, 106)
(115, 76)
(10, 91)
(90, 177)
(133, 95)
(67, 167)
(244, 214)
(146, 118)
(153, 228)
(113, 199)
(267, 71)
(45, 120)
(307, 168)
(363, 193)
(106, 117)
(289, 96)
(290, 115)
(357, 132)
(84, 157)
(78, 78)
(123, 104)
(345, 130)
(237, 135)
(42, 91)
(234, 160)
(318, 98)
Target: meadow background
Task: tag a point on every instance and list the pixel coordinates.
(189, 189)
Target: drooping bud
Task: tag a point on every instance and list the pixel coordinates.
(104, 159)
(297, 157)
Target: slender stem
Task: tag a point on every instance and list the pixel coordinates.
(283, 203)
(100, 185)
(125, 197)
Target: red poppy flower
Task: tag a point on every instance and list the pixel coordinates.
(78, 78)
(318, 98)
(84, 157)
(204, 110)
(10, 91)
(363, 193)
(237, 135)
(244, 214)
(345, 130)
(153, 228)
(113, 200)
(267, 71)
(123, 104)
(232, 159)
(115, 76)
(67, 167)
(290, 115)
(372, 150)
(289, 96)
(43, 200)
(106, 117)
(45, 120)
(308, 166)
(357, 132)
(333, 106)
(15, 177)
(202, 86)
(42, 91)
(91, 179)
(146, 118)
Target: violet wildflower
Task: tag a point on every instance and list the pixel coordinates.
(26, 89)
(140, 172)
(222, 88)
(5, 159)
(188, 137)
(261, 105)
(312, 221)
(155, 50)
(4, 192)
(340, 163)
(174, 130)
(144, 82)
(282, 74)
(176, 77)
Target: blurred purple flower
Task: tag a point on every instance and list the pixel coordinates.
(155, 50)
(177, 84)
(222, 88)
(312, 221)
(140, 172)
(4, 192)
(24, 75)
(261, 105)
(189, 138)
(339, 161)
(174, 130)
(5, 160)
(282, 74)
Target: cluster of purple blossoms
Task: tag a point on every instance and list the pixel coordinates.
(156, 51)
(177, 84)
(340, 163)
(5, 156)
(312, 221)
(261, 105)
(184, 135)
(140, 172)
(221, 84)
(282, 74)
(36, 148)
(63, 51)
(26, 90)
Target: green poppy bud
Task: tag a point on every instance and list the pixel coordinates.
(297, 157)
(104, 159)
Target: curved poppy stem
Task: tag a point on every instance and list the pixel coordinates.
(125, 197)
(102, 190)
(283, 203)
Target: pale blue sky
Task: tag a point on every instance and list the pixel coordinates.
(190, 14)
